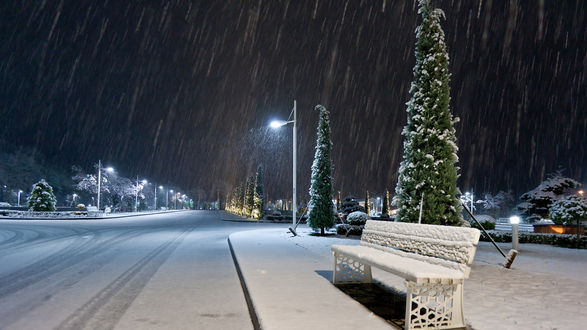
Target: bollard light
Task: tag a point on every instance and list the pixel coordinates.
(515, 220)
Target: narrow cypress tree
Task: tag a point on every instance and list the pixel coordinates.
(321, 209)
(367, 203)
(259, 198)
(428, 171)
(241, 199)
(42, 197)
(385, 210)
(250, 196)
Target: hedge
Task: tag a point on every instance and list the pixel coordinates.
(564, 240)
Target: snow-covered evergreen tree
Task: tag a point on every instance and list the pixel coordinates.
(367, 203)
(241, 199)
(569, 209)
(430, 151)
(250, 196)
(41, 197)
(385, 209)
(259, 198)
(537, 202)
(321, 211)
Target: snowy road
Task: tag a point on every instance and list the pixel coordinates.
(167, 271)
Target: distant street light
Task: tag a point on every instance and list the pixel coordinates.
(167, 198)
(160, 188)
(378, 202)
(19, 192)
(73, 198)
(276, 124)
(107, 169)
(177, 195)
(581, 192)
(137, 193)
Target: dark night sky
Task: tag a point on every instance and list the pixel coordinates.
(182, 91)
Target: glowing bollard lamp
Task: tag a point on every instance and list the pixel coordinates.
(515, 221)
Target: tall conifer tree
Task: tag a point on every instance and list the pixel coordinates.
(367, 203)
(428, 172)
(321, 208)
(259, 198)
(385, 209)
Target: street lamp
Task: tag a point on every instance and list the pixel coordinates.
(137, 193)
(378, 203)
(19, 192)
(276, 124)
(73, 198)
(107, 169)
(177, 195)
(167, 198)
(160, 188)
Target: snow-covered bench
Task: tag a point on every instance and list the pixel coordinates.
(434, 261)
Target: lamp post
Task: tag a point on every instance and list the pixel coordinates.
(160, 188)
(73, 198)
(108, 169)
(175, 201)
(19, 192)
(167, 198)
(276, 124)
(137, 193)
(515, 220)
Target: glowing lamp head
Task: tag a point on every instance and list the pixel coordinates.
(277, 124)
(514, 220)
(144, 181)
(109, 169)
(161, 187)
(581, 192)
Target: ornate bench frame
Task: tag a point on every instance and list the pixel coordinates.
(431, 302)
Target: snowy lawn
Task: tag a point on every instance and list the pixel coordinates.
(545, 289)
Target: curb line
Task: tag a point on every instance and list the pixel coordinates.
(250, 306)
(94, 218)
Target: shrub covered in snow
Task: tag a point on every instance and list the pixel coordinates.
(349, 205)
(346, 229)
(537, 202)
(564, 240)
(357, 218)
(569, 209)
(42, 197)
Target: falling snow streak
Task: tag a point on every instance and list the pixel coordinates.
(182, 90)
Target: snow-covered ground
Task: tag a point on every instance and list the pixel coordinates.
(545, 288)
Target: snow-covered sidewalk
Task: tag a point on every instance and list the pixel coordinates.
(289, 282)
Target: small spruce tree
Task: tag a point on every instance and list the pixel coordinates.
(259, 198)
(385, 210)
(428, 170)
(41, 197)
(321, 211)
(367, 203)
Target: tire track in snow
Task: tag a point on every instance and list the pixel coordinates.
(104, 310)
(79, 250)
